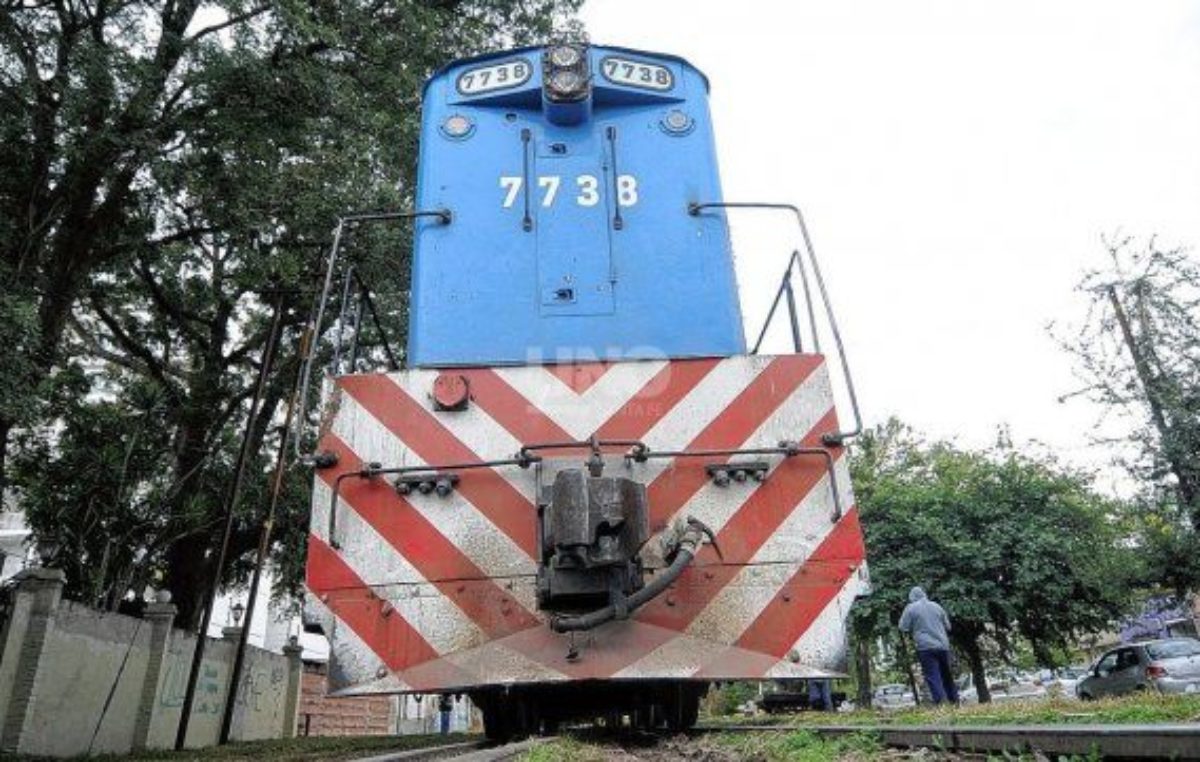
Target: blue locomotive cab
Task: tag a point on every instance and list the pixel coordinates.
(568, 171)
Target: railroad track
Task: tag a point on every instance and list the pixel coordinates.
(1179, 742)
(481, 751)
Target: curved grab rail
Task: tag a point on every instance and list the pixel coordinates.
(695, 209)
(312, 332)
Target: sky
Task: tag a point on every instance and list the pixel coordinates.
(958, 163)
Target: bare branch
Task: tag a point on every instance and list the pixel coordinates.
(231, 21)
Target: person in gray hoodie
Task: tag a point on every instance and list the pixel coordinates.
(929, 625)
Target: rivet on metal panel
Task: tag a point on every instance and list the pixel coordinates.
(508, 585)
(787, 597)
(670, 600)
(462, 588)
(793, 656)
(325, 597)
(415, 592)
(381, 673)
(387, 609)
(708, 575)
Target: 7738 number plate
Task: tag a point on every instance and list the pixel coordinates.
(497, 76)
(630, 73)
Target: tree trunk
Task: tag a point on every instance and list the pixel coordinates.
(970, 646)
(1187, 480)
(862, 661)
(6, 427)
(906, 659)
(188, 577)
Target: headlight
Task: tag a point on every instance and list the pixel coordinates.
(564, 56)
(457, 126)
(676, 122)
(567, 82)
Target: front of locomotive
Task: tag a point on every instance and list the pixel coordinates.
(583, 495)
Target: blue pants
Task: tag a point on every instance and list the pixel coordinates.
(819, 695)
(935, 664)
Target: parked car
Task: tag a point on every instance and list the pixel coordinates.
(1061, 682)
(1170, 665)
(893, 696)
(1009, 686)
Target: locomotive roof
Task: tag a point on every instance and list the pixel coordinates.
(527, 48)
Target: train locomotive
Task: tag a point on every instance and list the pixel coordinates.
(584, 494)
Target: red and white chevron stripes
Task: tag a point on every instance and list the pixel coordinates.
(424, 593)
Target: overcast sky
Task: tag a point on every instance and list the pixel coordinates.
(958, 162)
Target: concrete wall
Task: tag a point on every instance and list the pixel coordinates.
(77, 681)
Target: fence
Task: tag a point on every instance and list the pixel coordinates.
(78, 681)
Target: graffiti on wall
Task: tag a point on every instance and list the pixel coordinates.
(209, 689)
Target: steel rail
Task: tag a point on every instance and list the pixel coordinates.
(1173, 741)
(479, 751)
(1168, 741)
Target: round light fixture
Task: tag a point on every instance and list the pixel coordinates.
(566, 82)
(457, 126)
(677, 122)
(564, 56)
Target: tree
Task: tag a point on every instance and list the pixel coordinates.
(1010, 544)
(269, 121)
(1138, 356)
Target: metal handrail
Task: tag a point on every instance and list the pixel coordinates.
(312, 332)
(785, 289)
(527, 456)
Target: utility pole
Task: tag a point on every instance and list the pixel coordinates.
(235, 493)
(264, 546)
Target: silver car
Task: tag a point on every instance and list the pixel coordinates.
(893, 696)
(1167, 666)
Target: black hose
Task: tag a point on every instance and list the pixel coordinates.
(594, 619)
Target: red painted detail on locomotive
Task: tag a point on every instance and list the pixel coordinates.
(392, 638)
(451, 391)
(420, 430)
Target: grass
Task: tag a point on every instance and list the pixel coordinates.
(282, 750)
(794, 746)
(563, 749)
(798, 746)
(1148, 708)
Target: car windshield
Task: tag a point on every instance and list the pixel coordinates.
(1171, 649)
